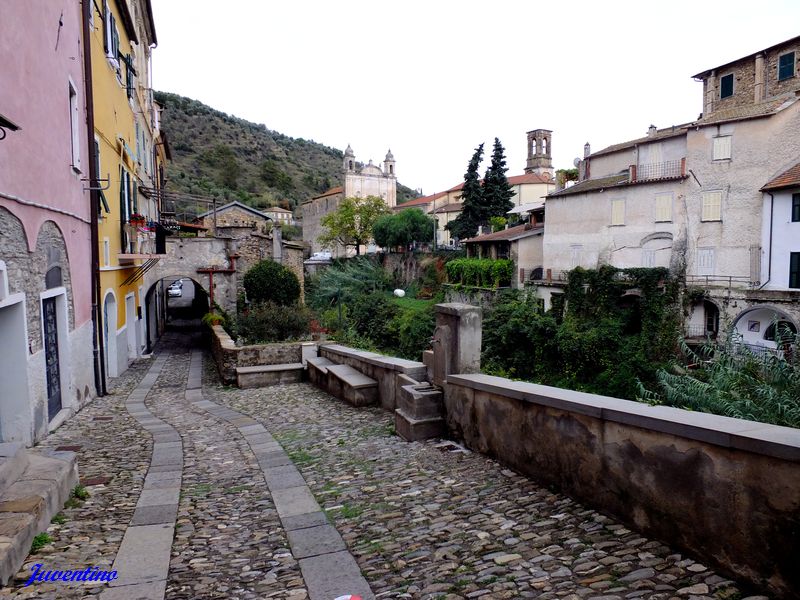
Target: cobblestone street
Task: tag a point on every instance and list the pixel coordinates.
(422, 520)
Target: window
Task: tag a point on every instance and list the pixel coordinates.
(722, 148)
(111, 34)
(648, 258)
(576, 255)
(663, 207)
(712, 206)
(74, 126)
(794, 270)
(726, 86)
(618, 212)
(786, 66)
(795, 208)
(705, 261)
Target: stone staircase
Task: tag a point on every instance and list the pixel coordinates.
(33, 487)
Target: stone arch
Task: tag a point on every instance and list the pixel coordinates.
(704, 319)
(51, 253)
(14, 250)
(753, 323)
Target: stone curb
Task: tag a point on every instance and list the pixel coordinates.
(142, 561)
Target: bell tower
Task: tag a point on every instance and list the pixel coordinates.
(349, 162)
(388, 164)
(540, 157)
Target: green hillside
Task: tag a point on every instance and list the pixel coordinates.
(221, 155)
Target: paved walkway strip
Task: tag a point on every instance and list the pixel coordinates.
(328, 568)
(142, 562)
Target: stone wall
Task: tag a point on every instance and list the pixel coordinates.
(725, 490)
(383, 369)
(228, 356)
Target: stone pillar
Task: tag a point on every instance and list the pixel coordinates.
(456, 340)
(759, 90)
(277, 243)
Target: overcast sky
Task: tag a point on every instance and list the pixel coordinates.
(433, 79)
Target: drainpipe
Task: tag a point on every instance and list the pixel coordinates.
(98, 349)
(771, 219)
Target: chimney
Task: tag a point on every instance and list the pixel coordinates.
(651, 131)
(587, 150)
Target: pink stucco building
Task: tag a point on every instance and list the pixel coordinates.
(46, 340)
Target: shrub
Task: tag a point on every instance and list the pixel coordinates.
(413, 329)
(371, 315)
(269, 281)
(270, 322)
(349, 279)
(482, 272)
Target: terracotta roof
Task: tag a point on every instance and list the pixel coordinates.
(787, 179)
(589, 185)
(276, 209)
(510, 234)
(234, 204)
(448, 208)
(748, 111)
(516, 180)
(661, 134)
(419, 201)
(336, 190)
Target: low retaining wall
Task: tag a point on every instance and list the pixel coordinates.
(724, 489)
(383, 369)
(228, 356)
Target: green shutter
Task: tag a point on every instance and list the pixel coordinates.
(105, 27)
(786, 66)
(794, 270)
(114, 38)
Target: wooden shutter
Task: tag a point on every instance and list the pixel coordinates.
(712, 206)
(618, 212)
(664, 207)
(722, 147)
(114, 39)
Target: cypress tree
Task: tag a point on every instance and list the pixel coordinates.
(473, 212)
(497, 192)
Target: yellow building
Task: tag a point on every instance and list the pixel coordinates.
(127, 160)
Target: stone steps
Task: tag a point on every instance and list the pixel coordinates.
(266, 375)
(27, 503)
(318, 371)
(351, 385)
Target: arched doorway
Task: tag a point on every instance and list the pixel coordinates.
(703, 321)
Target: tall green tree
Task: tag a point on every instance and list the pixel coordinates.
(404, 228)
(473, 213)
(351, 224)
(497, 192)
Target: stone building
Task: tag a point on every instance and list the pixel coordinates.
(255, 237)
(360, 181)
(698, 198)
(46, 366)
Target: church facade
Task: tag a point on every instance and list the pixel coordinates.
(360, 181)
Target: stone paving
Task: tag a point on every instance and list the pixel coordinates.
(423, 520)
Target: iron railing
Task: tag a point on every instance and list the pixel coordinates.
(670, 169)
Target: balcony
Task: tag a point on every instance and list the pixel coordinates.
(671, 169)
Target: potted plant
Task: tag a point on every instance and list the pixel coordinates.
(136, 220)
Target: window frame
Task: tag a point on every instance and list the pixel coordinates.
(794, 270)
(668, 196)
(615, 204)
(721, 84)
(795, 210)
(793, 65)
(715, 144)
(704, 216)
(707, 251)
(74, 127)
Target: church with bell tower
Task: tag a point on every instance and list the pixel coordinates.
(370, 180)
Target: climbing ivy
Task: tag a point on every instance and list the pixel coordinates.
(611, 329)
(480, 272)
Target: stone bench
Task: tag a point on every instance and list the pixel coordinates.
(351, 385)
(318, 371)
(265, 375)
